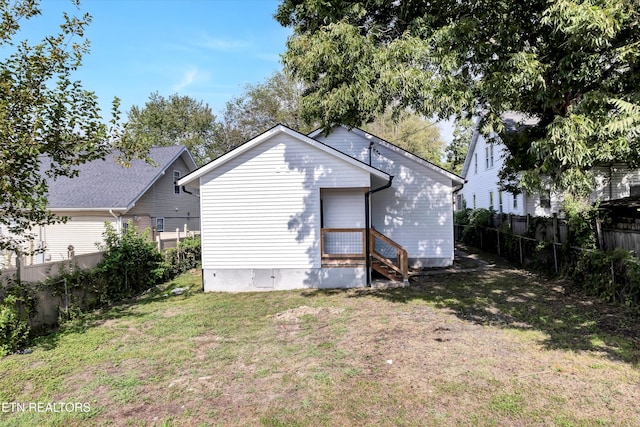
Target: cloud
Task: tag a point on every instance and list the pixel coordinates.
(189, 77)
(218, 44)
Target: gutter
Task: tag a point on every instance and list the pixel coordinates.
(367, 225)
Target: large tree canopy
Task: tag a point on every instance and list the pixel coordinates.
(175, 120)
(262, 106)
(43, 111)
(570, 65)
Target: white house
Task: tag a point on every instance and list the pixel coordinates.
(286, 210)
(105, 191)
(485, 158)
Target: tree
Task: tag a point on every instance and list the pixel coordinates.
(410, 132)
(459, 146)
(572, 65)
(43, 112)
(175, 120)
(261, 107)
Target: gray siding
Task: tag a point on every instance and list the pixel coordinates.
(160, 201)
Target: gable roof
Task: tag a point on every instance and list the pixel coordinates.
(107, 185)
(419, 160)
(513, 122)
(265, 136)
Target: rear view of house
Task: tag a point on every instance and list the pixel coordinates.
(286, 210)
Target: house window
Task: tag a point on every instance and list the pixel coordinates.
(491, 155)
(486, 157)
(490, 199)
(500, 201)
(176, 177)
(634, 191)
(475, 162)
(545, 199)
(159, 224)
(515, 201)
(459, 202)
(474, 201)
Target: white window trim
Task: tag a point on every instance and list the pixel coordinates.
(175, 180)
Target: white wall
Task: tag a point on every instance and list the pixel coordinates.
(416, 211)
(482, 179)
(83, 232)
(261, 210)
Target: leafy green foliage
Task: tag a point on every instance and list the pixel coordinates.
(131, 264)
(186, 256)
(14, 330)
(580, 217)
(44, 112)
(175, 120)
(262, 106)
(456, 151)
(410, 132)
(614, 276)
(569, 64)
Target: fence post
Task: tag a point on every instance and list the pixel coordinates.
(555, 258)
(18, 266)
(158, 242)
(520, 246)
(498, 235)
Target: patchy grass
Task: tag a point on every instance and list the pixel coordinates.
(491, 348)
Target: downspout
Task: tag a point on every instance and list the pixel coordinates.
(118, 221)
(367, 226)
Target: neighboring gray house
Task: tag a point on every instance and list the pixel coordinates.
(105, 191)
(286, 210)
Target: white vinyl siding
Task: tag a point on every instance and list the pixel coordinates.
(262, 208)
(417, 210)
(483, 182)
(615, 182)
(83, 232)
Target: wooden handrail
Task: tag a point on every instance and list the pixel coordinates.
(402, 265)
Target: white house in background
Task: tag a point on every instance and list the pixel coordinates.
(286, 211)
(482, 165)
(105, 191)
(485, 159)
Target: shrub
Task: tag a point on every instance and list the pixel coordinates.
(614, 276)
(14, 329)
(186, 256)
(131, 264)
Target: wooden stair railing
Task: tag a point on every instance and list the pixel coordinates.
(388, 257)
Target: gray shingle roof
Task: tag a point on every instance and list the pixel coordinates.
(104, 184)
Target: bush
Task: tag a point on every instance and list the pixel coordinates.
(461, 217)
(131, 264)
(614, 276)
(186, 256)
(14, 329)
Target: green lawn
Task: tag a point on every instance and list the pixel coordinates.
(491, 348)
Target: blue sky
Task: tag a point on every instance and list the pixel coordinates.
(206, 49)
